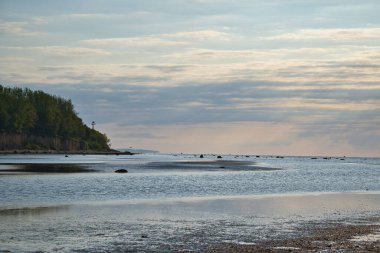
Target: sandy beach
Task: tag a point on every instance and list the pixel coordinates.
(345, 235)
(275, 223)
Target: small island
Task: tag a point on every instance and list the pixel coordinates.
(37, 122)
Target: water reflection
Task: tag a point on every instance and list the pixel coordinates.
(34, 211)
(44, 168)
(237, 165)
(186, 224)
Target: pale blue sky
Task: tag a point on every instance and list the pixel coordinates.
(264, 77)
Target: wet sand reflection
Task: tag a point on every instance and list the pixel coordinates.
(43, 168)
(210, 165)
(33, 211)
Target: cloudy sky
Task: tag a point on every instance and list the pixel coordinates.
(291, 77)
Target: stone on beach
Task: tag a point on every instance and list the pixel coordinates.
(121, 171)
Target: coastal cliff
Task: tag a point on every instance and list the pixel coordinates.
(35, 120)
(12, 141)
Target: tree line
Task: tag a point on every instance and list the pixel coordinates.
(23, 111)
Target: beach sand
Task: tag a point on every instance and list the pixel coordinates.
(267, 223)
(328, 236)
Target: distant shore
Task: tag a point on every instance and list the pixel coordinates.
(55, 152)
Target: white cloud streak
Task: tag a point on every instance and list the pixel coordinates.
(62, 51)
(336, 34)
(161, 40)
(12, 27)
(147, 41)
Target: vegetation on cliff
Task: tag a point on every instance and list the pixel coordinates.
(36, 113)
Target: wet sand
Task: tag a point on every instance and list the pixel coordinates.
(211, 164)
(350, 222)
(329, 236)
(60, 167)
(44, 168)
(267, 223)
(33, 211)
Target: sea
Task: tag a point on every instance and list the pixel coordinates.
(174, 202)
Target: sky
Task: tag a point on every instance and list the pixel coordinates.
(280, 77)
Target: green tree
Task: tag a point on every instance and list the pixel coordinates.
(38, 113)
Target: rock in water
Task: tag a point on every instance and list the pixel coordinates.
(121, 171)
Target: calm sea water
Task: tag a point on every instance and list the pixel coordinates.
(171, 202)
(157, 176)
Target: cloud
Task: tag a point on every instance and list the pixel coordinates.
(147, 41)
(16, 60)
(245, 138)
(17, 28)
(161, 40)
(335, 34)
(227, 76)
(39, 21)
(249, 118)
(22, 28)
(188, 138)
(198, 35)
(300, 74)
(62, 51)
(93, 16)
(210, 103)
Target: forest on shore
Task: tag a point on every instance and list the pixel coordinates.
(39, 121)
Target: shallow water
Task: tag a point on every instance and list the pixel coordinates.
(165, 176)
(173, 202)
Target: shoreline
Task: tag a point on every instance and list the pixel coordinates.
(62, 152)
(314, 204)
(333, 223)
